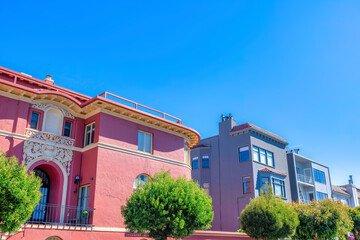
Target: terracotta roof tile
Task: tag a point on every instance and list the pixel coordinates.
(272, 171)
(199, 146)
(249, 125)
(340, 190)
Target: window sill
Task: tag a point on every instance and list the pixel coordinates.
(264, 164)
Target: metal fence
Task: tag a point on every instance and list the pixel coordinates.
(53, 214)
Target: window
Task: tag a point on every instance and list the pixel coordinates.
(34, 124)
(205, 161)
(263, 156)
(244, 154)
(53, 238)
(279, 187)
(319, 176)
(67, 128)
(140, 181)
(195, 163)
(206, 187)
(246, 184)
(89, 134)
(186, 154)
(321, 196)
(265, 181)
(270, 158)
(144, 142)
(256, 156)
(83, 201)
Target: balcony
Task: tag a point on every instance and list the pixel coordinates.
(305, 179)
(58, 215)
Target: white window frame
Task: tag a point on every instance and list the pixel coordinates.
(85, 200)
(91, 133)
(144, 146)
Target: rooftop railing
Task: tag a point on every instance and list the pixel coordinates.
(305, 179)
(139, 106)
(52, 214)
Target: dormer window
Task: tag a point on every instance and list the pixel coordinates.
(34, 124)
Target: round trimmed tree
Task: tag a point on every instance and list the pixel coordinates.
(167, 207)
(325, 219)
(269, 217)
(19, 194)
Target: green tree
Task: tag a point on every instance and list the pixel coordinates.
(354, 213)
(324, 219)
(19, 194)
(269, 217)
(166, 207)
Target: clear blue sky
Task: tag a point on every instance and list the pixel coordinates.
(290, 67)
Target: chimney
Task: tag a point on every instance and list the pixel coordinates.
(48, 79)
(351, 179)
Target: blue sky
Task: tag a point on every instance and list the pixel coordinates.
(290, 67)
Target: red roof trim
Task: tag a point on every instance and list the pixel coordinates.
(272, 171)
(253, 127)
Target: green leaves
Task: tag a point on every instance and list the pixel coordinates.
(167, 207)
(19, 194)
(269, 217)
(324, 219)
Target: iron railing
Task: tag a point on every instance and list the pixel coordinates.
(305, 179)
(53, 214)
(139, 106)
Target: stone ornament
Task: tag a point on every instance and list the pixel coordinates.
(49, 137)
(43, 106)
(34, 151)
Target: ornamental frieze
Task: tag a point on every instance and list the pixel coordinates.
(49, 137)
(34, 151)
(43, 106)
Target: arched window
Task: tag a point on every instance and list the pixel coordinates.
(39, 213)
(140, 180)
(53, 238)
(53, 121)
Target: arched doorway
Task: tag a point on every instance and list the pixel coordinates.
(39, 213)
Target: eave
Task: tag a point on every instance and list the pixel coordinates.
(84, 106)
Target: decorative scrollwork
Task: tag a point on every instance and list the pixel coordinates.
(49, 137)
(43, 106)
(34, 151)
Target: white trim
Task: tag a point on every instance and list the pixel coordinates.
(109, 229)
(98, 144)
(65, 185)
(61, 120)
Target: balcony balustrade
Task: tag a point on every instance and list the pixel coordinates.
(52, 214)
(305, 179)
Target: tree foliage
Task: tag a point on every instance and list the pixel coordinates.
(354, 213)
(167, 207)
(19, 194)
(269, 217)
(324, 219)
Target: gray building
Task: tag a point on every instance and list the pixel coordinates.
(309, 180)
(235, 165)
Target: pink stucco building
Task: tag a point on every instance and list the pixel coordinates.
(90, 153)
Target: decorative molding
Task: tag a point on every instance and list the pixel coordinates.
(34, 151)
(43, 106)
(49, 137)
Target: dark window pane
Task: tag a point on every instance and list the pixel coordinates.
(244, 154)
(34, 120)
(205, 162)
(67, 129)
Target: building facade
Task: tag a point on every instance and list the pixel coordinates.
(309, 180)
(89, 151)
(348, 194)
(235, 165)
